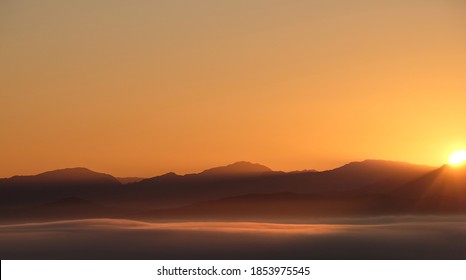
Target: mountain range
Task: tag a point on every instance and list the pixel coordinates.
(241, 191)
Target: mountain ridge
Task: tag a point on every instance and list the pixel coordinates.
(370, 184)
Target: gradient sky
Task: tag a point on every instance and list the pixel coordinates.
(140, 88)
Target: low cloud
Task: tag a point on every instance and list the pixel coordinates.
(383, 238)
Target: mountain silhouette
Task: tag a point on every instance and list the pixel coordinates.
(63, 176)
(236, 170)
(25, 191)
(439, 191)
(243, 189)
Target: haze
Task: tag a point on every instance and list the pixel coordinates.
(145, 87)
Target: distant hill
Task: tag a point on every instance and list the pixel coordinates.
(26, 191)
(68, 175)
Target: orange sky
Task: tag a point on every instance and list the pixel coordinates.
(146, 87)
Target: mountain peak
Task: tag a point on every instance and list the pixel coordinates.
(237, 168)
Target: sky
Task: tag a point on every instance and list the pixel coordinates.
(141, 88)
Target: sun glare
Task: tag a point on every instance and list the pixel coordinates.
(458, 157)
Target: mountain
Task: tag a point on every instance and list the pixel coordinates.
(26, 191)
(171, 190)
(374, 176)
(398, 189)
(237, 170)
(63, 176)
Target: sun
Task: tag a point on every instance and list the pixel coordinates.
(457, 158)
